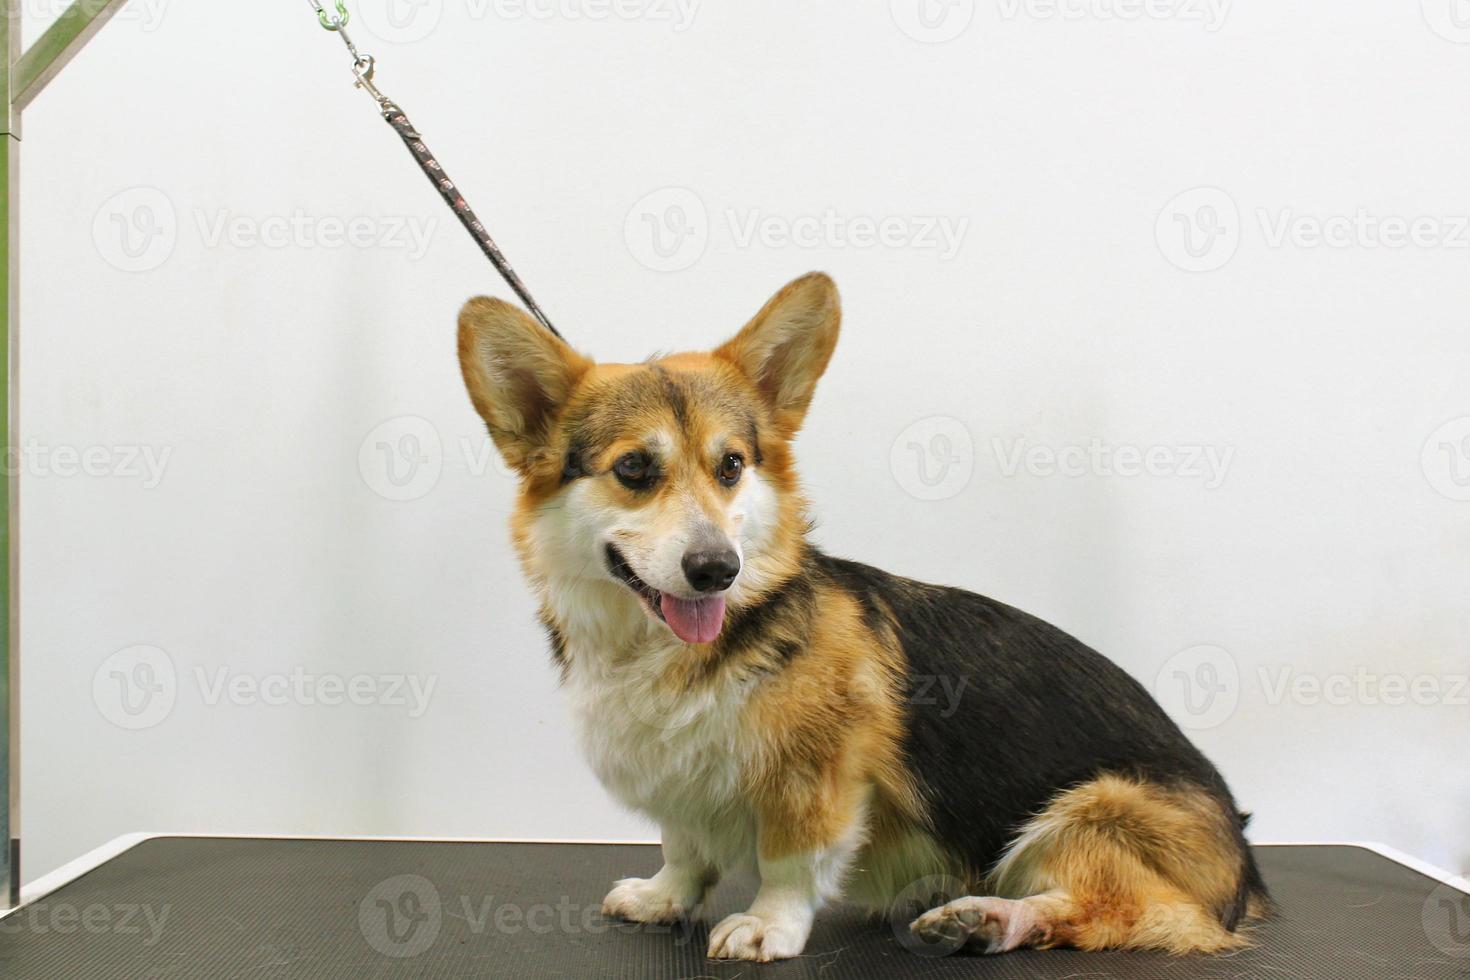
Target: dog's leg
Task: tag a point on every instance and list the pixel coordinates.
(793, 886)
(778, 922)
(674, 893)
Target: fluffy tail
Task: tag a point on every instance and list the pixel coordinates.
(1117, 863)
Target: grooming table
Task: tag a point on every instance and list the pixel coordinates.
(261, 908)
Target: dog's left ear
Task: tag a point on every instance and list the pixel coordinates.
(785, 349)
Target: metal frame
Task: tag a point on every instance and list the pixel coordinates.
(25, 75)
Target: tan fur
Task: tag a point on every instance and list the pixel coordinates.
(1122, 863)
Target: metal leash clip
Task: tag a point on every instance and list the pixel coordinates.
(364, 71)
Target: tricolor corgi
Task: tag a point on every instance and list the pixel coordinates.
(757, 698)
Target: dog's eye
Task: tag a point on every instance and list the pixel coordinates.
(635, 470)
(730, 469)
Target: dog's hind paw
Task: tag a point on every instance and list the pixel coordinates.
(988, 925)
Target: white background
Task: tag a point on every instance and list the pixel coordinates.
(1334, 546)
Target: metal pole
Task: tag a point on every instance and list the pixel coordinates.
(22, 80)
(9, 620)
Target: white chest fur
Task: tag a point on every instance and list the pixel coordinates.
(674, 756)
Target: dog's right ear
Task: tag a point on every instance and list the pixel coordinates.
(518, 375)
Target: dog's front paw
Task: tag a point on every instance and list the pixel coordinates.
(646, 900)
(750, 937)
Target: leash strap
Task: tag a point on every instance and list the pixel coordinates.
(364, 67)
(461, 208)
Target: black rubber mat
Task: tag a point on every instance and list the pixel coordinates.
(261, 909)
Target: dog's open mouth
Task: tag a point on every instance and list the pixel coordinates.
(692, 620)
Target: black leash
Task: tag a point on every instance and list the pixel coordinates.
(363, 69)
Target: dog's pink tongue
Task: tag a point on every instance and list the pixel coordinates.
(694, 620)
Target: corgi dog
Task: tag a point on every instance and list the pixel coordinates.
(759, 699)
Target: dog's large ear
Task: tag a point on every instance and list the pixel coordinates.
(785, 349)
(518, 376)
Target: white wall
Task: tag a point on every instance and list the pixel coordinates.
(1333, 545)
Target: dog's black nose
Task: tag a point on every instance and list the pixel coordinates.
(711, 571)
